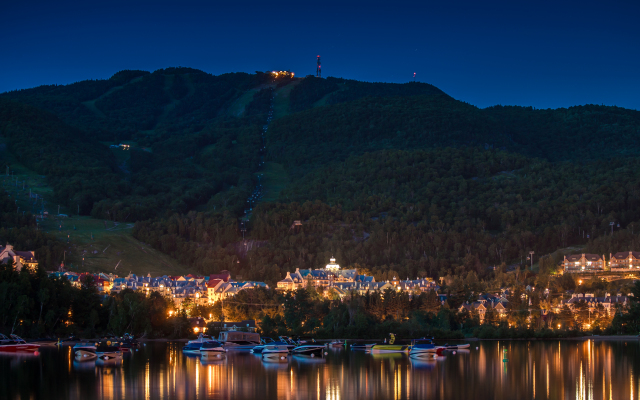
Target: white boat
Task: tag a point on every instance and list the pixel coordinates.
(456, 346)
(85, 355)
(237, 340)
(108, 353)
(100, 352)
(212, 349)
(265, 341)
(85, 346)
(201, 339)
(275, 352)
(312, 350)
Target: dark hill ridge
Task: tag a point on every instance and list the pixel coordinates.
(172, 100)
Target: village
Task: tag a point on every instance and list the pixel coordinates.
(337, 283)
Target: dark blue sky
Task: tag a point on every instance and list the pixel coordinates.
(541, 54)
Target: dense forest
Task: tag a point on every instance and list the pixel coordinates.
(396, 180)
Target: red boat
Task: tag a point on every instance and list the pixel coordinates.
(16, 344)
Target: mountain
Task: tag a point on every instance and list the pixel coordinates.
(398, 179)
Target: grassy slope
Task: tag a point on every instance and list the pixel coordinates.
(113, 244)
(91, 104)
(275, 178)
(281, 99)
(134, 255)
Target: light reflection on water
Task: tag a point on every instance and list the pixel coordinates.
(584, 370)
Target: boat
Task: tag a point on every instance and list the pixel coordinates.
(85, 355)
(456, 346)
(193, 346)
(264, 341)
(126, 343)
(44, 342)
(108, 353)
(212, 349)
(423, 348)
(390, 347)
(359, 346)
(287, 341)
(312, 350)
(201, 339)
(85, 346)
(16, 344)
(237, 340)
(337, 343)
(275, 352)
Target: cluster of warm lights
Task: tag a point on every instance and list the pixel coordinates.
(283, 73)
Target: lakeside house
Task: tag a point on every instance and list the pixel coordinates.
(583, 263)
(610, 303)
(485, 303)
(21, 259)
(624, 261)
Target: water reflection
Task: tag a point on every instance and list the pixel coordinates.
(535, 370)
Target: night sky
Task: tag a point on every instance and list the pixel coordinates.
(538, 54)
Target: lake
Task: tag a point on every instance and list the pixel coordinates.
(535, 370)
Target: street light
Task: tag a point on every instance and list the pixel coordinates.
(531, 256)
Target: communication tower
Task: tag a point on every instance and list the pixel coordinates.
(319, 69)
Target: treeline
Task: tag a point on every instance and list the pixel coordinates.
(307, 312)
(33, 305)
(312, 138)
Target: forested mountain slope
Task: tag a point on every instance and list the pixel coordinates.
(398, 179)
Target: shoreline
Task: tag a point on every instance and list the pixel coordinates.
(471, 339)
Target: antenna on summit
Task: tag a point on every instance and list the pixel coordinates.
(319, 69)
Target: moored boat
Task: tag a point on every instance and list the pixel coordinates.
(108, 353)
(85, 355)
(16, 344)
(275, 352)
(212, 349)
(264, 341)
(312, 350)
(456, 346)
(238, 340)
(359, 346)
(390, 347)
(44, 341)
(423, 348)
(85, 346)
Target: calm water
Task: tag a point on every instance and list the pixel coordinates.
(535, 370)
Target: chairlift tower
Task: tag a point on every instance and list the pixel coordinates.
(319, 69)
